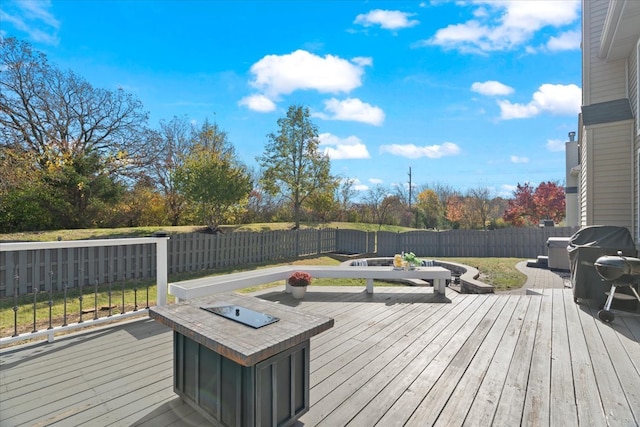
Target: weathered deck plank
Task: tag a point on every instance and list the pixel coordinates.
(434, 366)
(588, 403)
(614, 402)
(627, 374)
(563, 408)
(367, 375)
(536, 406)
(371, 401)
(465, 370)
(466, 394)
(394, 357)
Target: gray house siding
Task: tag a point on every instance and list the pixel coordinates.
(609, 182)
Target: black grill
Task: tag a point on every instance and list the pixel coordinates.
(619, 271)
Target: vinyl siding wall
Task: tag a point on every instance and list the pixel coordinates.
(602, 81)
(609, 160)
(610, 175)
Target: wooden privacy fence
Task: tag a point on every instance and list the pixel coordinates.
(50, 269)
(502, 243)
(198, 251)
(29, 270)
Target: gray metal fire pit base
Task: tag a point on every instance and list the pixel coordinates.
(274, 392)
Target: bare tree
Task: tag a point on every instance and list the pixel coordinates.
(382, 204)
(481, 202)
(86, 141)
(173, 142)
(57, 114)
(345, 194)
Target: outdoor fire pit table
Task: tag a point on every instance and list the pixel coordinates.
(240, 360)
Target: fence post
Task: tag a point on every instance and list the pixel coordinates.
(162, 278)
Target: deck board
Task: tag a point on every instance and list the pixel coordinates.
(464, 397)
(387, 385)
(465, 371)
(447, 346)
(510, 405)
(588, 403)
(536, 406)
(563, 409)
(401, 356)
(614, 402)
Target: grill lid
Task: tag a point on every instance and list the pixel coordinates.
(618, 268)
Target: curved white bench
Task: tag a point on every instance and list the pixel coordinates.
(195, 288)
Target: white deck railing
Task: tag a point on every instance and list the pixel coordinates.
(161, 277)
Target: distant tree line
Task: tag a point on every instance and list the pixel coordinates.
(76, 156)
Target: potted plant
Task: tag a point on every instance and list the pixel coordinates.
(299, 280)
(411, 259)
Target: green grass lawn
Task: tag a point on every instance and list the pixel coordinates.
(499, 272)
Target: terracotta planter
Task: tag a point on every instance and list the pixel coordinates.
(298, 292)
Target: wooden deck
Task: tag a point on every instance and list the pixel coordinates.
(402, 356)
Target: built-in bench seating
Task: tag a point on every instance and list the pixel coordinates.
(464, 277)
(189, 289)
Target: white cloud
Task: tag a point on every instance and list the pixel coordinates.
(387, 19)
(362, 61)
(412, 151)
(491, 88)
(555, 145)
(258, 103)
(339, 149)
(569, 40)
(516, 159)
(506, 191)
(34, 19)
(375, 181)
(554, 99)
(351, 109)
(275, 75)
(505, 25)
(510, 111)
(356, 184)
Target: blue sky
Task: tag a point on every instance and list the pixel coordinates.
(467, 93)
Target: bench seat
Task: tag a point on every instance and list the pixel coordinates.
(189, 289)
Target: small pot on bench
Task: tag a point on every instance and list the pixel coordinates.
(299, 281)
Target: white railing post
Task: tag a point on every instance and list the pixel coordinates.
(162, 268)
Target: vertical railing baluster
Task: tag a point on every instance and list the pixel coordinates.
(135, 287)
(148, 283)
(124, 277)
(35, 307)
(15, 304)
(65, 273)
(123, 283)
(50, 299)
(80, 301)
(80, 280)
(95, 300)
(64, 304)
(109, 293)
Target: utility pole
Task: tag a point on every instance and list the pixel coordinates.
(410, 188)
